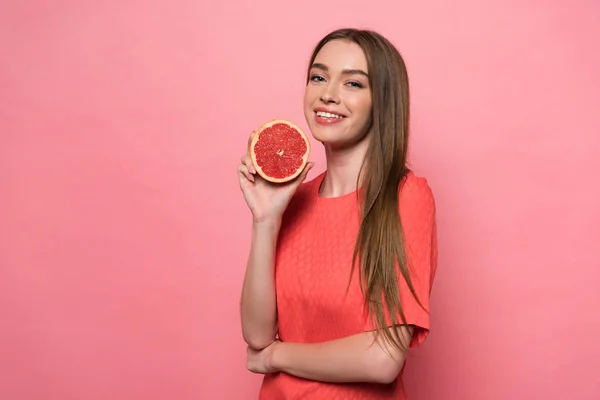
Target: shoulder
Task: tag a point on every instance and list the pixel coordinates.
(418, 218)
(416, 206)
(415, 194)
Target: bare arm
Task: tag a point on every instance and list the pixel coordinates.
(258, 301)
(267, 202)
(350, 359)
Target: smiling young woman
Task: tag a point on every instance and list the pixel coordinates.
(340, 268)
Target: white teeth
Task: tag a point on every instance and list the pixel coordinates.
(328, 115)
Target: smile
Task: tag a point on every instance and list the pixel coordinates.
(328, 118)
(324, 114)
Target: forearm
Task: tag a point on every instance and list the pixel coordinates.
(350, 359)
(258, 301)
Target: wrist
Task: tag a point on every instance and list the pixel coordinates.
(266, 224)
(275, 361)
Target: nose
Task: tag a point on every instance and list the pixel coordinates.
(330, 94)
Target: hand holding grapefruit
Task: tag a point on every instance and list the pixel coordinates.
(276, 164)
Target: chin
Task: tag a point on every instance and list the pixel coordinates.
(321, 133)
(331, 141)
(317, 136)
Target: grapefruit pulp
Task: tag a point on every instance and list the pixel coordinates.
(279, 151)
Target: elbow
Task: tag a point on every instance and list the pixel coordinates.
(258, 339)
(258, 342)
(388, 369)
(389, 360)
(387, 377)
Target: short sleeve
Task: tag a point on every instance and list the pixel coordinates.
(418, 217)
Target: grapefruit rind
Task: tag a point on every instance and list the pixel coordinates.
(252, 154)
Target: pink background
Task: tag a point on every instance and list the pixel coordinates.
(123, 234)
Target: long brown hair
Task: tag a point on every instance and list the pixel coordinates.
(379, 245)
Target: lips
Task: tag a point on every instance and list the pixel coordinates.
(325, 116)
(327, 113)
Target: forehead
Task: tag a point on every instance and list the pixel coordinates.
(339, 55)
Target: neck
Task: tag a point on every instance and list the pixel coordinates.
(343, 168)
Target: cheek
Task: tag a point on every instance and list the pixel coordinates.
(307, 100)
(363, 108)
(310, 97)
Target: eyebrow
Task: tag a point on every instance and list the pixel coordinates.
(345, 72)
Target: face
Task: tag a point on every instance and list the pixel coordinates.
(337, 100)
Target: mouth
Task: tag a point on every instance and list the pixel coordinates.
(329, 115)
(328, 118)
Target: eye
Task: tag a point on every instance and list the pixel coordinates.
(355, 84)
(317, 78)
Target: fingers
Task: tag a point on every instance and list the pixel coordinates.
(250, 138)
(307, 169)
(305, 172)
(246, 168)
(244, 173)
(248, 163)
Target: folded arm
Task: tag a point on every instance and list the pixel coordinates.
(356, 358)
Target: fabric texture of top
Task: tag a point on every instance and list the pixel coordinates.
(312, 272)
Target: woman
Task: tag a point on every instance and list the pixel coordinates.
(340, 268)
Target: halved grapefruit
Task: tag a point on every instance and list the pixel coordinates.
(279, 151)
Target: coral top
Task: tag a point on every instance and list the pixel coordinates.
(312, 271)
